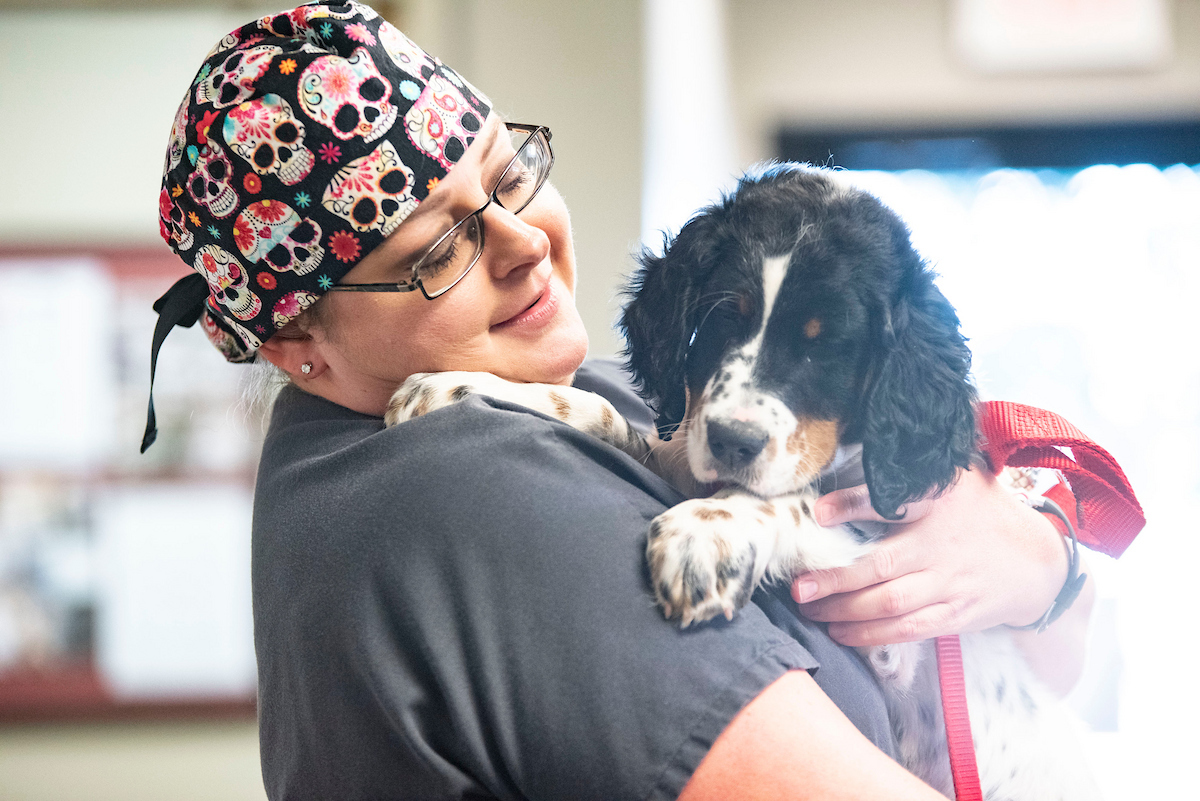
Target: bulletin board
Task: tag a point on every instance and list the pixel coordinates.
(124, 578)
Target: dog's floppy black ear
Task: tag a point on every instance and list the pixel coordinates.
(919, 416)
(660, 318)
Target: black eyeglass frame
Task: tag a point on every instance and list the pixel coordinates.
(415, 283)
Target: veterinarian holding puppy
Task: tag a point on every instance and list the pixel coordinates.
(457, 607)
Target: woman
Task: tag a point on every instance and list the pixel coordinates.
(457, 606)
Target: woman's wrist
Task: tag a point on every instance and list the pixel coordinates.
(1049, 561)
(1073, 583)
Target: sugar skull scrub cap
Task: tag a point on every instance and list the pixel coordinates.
(304, 140)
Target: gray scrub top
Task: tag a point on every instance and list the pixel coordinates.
(459, 607)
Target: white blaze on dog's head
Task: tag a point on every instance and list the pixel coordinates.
(739, 432)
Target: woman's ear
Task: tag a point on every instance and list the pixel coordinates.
(660, 318)
(291, 353)
(919, 416)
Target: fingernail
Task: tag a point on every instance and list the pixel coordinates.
(804, 591)
(822, 513)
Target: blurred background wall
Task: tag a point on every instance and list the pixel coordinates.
(873, 63)
(656, 105)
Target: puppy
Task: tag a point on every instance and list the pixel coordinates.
(789, 329)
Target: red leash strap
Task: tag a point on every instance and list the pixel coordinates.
(958, 722)
(1100, 502)
(1108, 516)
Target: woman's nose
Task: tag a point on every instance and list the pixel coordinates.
(512, 243)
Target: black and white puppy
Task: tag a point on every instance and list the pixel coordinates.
(787, 330)
(785, 322)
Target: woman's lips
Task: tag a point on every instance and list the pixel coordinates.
(541, 311)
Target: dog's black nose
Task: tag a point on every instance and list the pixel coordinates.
(735, 443)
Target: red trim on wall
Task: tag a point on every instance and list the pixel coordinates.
(77, 693)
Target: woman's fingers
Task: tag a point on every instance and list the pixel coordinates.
(933, 620)
(894, 558)
(971, 559)
(854, 504)
(889, 599)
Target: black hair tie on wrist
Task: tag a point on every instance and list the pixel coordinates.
(180, 305)
(1074, 583)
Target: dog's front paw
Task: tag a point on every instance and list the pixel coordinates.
(701, 565)
(422, 393)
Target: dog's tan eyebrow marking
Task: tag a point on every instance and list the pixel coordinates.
(812, 329)
(712, 514)
(795, 514)
(767, 509)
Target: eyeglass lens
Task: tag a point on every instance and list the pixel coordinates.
(450, 259)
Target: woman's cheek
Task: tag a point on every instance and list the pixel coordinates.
(556, 222)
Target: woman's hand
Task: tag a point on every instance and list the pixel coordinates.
(971, 559)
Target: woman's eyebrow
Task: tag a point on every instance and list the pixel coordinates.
(414, 252)
(492, 167)
(485, 169)
(494, 136)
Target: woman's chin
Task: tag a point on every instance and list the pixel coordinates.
(566, 371)
(571, 352)
(557, 363)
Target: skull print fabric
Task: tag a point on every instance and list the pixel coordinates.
(440, 124)
(348, 96)
(233, 79)
(268, 136)
(305, 139)
(373, 192)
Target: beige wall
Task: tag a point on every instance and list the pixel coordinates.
(829, 62)
(577, 68)
(131, 762)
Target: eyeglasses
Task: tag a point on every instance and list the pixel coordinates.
(450, 258)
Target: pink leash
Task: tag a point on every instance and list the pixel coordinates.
(958, 721)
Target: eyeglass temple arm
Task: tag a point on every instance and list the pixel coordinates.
(528, 129)
(373, 287)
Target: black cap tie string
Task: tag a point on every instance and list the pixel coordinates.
(181, 305)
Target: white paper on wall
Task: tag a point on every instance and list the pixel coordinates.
(173, 591)
(58, 388)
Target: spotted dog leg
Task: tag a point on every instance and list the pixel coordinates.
(422, 393)
(708, 554)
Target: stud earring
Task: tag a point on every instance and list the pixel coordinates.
(306, 368)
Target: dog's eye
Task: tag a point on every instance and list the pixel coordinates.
(720, 320)
(719, 323)
(724, 313)
(812, 329)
